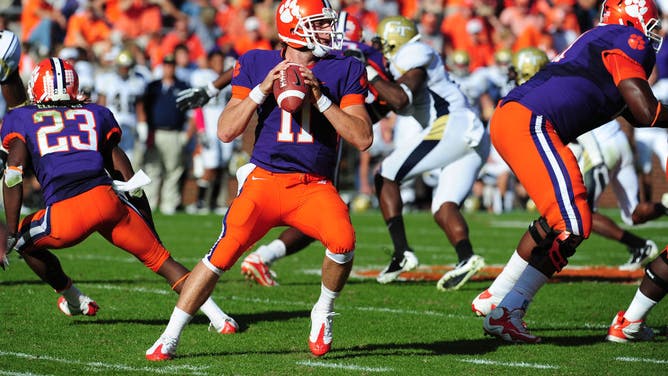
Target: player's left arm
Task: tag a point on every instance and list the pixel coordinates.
(13, 90)
(351, 121)
(12, 183)
(398, 95)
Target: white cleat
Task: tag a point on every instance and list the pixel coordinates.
(163, 349)
(485, 303)
(457, 277)
(397, 266)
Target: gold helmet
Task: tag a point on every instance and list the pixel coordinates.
(503, 56)
(394, 32)
(527, 62)
(458, 63)
(125, 59)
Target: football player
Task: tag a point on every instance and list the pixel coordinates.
(73, 148)
(289, 179)
(601, 75)
(452, 138)
(256, 266)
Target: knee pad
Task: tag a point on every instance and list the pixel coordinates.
(340, 258)
(557, 246)
(653, 276)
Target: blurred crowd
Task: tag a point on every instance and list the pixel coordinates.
(120, 47)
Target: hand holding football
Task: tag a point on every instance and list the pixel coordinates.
(290, 89)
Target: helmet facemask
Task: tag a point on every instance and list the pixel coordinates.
(318, 33)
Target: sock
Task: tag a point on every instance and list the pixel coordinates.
(509, 275)
(525, 289)
(72, 294)
(398, 234)
(639, 307)
(272, 251)
(202, 186)
(177, 322)
(464, 250)
(214, 313)
(326, 300)
(632, 241)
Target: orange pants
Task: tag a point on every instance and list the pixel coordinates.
(544, 165)
(69, 222)
(309, 203)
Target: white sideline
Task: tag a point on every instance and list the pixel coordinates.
(642, 360)
(184, 369)
(11, 373)
(509, 364)
(344, 366)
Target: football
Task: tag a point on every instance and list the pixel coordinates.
(290, 89)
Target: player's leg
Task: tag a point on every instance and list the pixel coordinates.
(256, 266)
(630, 325)
(324, 216)
(449, 195)
(243, 225)
(549, 172)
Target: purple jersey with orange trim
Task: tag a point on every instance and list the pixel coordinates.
(575, 91)
(304, 141)
(65, 144)
(373, 57)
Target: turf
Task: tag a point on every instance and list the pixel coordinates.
(406, 328)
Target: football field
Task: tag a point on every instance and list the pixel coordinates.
(404, 328)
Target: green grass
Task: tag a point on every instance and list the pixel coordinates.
(406, 328)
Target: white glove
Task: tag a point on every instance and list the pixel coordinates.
(142, 132)
(195, 97)
(371, 73)
(134, 185)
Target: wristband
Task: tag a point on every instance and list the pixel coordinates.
(257, 96)
(211, 90)
(323, 103)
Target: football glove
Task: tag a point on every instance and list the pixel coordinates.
(195, 97)
(11, 242)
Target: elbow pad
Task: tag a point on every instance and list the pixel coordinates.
(13, 175)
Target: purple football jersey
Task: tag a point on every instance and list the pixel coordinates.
(575, 91)
(304, 141)
(372, 55)
(65, 145)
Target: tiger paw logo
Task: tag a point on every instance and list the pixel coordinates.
(288, 11)
(636, 42)
(635, 8)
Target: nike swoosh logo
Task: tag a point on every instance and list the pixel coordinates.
(297, 80)
(256, 178)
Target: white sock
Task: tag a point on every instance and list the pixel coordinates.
(509, 275)
(272, 251)
(326, 300)
(177, 322)
(213, 312)
(72, 295)
(639, 307)
(525, 289)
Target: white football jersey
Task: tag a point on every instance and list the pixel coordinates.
(213, 108)
(443, 95)
(121, 94)
(10, 53)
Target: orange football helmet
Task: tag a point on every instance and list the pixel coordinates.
(310, 24)
(53, 80)
(640, 14)
(352, 27)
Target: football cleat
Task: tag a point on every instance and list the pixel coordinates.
(622, 330)
(228, 326)
(485, 303)
(457, 277)
(397, 266)
(255, 269)
(163, 349)
(87, 306)
(320, 338)
(508, 325)
(641, 256)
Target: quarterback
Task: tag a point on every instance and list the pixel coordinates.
(289, 179)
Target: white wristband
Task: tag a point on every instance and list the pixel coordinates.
(257, 96)
(211, 90)
(323, 103)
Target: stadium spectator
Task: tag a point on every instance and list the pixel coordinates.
(181, 34)
(619, 58)
(81, 197)
(253, 39)
(167, 138)
(292, 179)
(453, 140)
(87, 27)
(43, 24)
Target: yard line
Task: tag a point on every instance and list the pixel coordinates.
(349, 367)
(184, 369)
(642, 360)
(12, 373)
(508, 364)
